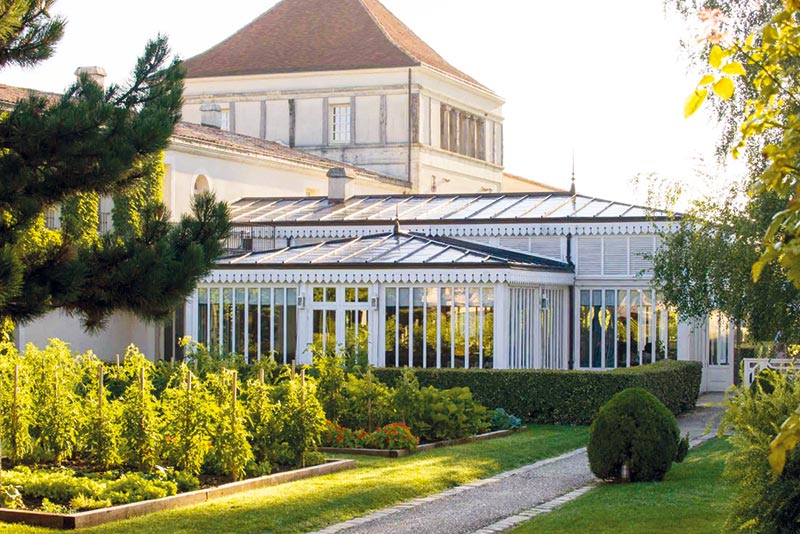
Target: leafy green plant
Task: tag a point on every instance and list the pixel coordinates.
(303, 419)
(230, 450)
(16, 410)
(187, 412)
(101, 432)
(55, 376)
(367, 402)
(139, 417)
(11, 497)
(263, 423)
(134, 487)
(406, 396)
(448, 414)
(634, 430)
(83, 503)
(53, 508)
(329, 369)
(500, 420)
(59, 486)
(764, 502)
(185, 481)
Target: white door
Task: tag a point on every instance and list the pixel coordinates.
(340, 319)
(718, 368)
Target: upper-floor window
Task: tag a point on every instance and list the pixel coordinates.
(340, 123)
(201, 184)
(463, 132)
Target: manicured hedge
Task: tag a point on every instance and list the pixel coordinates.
(566, 397)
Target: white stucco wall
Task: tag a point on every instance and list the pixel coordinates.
(309, 122)
(121, 330)
(278, 121)
(456, 173)
(368, 111)
(248, 118)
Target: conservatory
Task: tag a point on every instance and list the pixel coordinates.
(398, 298)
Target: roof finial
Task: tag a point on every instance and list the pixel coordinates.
(572, 187)
(397, 220)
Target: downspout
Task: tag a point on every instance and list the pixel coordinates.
(410, 125)
(571, 307)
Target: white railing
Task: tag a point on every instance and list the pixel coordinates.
(753, 366)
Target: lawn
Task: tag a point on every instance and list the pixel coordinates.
(692, 499)
(376, 483)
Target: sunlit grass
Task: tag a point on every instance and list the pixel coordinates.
(376, 483)
(692, 499)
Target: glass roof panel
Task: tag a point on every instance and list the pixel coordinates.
(524, 206)
(497, 209)
(477, 205)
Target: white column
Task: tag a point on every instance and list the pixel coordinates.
(305, 324)
(501, 326)
(537, 328)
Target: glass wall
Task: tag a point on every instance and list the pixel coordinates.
(719, 328)
(254, 322)
(624, 328)
(439, 327)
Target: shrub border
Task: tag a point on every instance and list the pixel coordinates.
(125, 511)
(399, 453)
(560, 396)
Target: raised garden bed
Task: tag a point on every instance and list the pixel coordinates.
(125, 511)
(399, 453)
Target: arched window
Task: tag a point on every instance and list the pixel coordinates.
(200, 184)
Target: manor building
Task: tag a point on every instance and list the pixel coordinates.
(372, 212)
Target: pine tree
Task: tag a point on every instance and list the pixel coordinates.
(70, 151)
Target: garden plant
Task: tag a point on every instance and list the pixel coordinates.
(634, 437)
(79, 433)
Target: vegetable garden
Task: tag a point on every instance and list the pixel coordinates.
(77, 433)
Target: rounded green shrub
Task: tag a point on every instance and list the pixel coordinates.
(635, 429)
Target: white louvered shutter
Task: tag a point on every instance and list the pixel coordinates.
(547, 246)
(589, 255)
(615, 256)
(641, 247)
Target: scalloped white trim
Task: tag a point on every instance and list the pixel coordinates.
(394, 276)
(451, 230)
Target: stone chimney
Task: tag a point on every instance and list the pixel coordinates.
(341, 184)
(96, 74)
(211, 115)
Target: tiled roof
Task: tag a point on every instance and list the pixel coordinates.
(10, 95)
(437, 208)
(320, 35)
(392, 249)
(205, 135)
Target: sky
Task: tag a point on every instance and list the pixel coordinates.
(604, 81)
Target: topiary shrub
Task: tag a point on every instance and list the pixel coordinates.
(635, 429)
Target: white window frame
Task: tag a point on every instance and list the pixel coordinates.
(340, 124)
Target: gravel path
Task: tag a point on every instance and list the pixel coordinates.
(468, 508)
